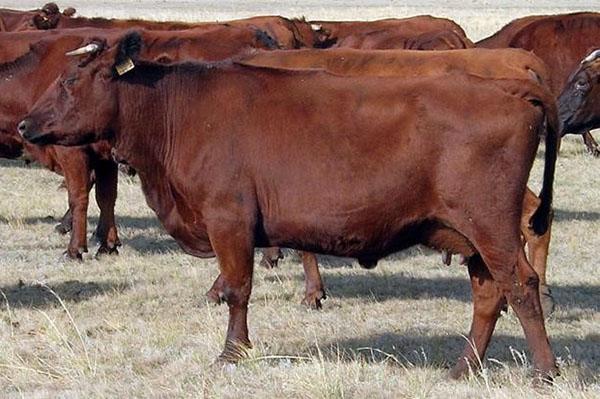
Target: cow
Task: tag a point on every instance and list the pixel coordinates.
(489, 64)
(47, 17)
(561, 41)
(579, 102)
(422, 32)
(289, 33)
(241, 156)
(32, 60)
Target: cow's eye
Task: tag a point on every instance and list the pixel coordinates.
(69, 81)
(582, 84)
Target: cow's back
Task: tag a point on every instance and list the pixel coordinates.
(483, 63)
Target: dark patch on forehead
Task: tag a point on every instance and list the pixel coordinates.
(266, 40)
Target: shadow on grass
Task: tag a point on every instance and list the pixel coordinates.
(17, 163)
(442, 351)
(398, 286)
(561, 215)
(22, 295)
(151, 245)
(133, 222)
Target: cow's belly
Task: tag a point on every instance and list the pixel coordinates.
(354, 225)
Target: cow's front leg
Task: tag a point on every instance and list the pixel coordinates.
(234, 247)
(591, 144)
(106, 197)
(76, 168)
(315, 291)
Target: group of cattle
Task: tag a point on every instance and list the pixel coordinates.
(326, 137)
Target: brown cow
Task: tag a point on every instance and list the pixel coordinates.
(288, 33)
(41, 59)
(579, 102)
(47, 17)
(416, 33)
(496, 64)
(394, 163)
(561, 41)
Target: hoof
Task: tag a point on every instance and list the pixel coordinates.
(547, 300)
(215, 297)
(105, 250)
(594, 151)
(233, 353)
(70, 255)
(313, 299)
(545, 377)
(446, 258)
(62, 228)
(460, 370)
(269, 263)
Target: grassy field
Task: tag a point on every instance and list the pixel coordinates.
(138, 325)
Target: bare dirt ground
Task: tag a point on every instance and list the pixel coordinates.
(138, 325)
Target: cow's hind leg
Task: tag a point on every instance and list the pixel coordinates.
(315, 291)
(106, 197)
(591, 144)
(66, 223)
(488, 301)
(523, 297)
(234, 248)
(538, 248)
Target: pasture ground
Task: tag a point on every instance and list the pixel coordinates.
(138, 325)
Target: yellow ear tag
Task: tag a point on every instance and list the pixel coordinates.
(125, 67)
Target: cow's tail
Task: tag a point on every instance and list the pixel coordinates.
(540, 220)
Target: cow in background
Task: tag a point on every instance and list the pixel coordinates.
(561, 41)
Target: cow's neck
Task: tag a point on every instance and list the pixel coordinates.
(145, 136)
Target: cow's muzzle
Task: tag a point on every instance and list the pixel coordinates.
(26, 129)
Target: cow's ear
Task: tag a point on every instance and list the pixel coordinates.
(128, 51)
(69, 12)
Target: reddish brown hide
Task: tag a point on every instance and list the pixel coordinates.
(223, 190)
(416, 33)
(499, 64)
(561, 41)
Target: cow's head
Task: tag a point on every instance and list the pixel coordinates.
(579, 102)
(80, 107)
(49, 16)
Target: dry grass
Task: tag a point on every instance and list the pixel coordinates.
(138, 325)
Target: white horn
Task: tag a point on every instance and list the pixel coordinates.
(316, 27)
(592, 56)
(90, 48)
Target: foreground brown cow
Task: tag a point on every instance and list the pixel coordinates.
(393, 162)
(423, 32)
(579, 102)
(34, 59)
(561, 41)
(488, 64)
